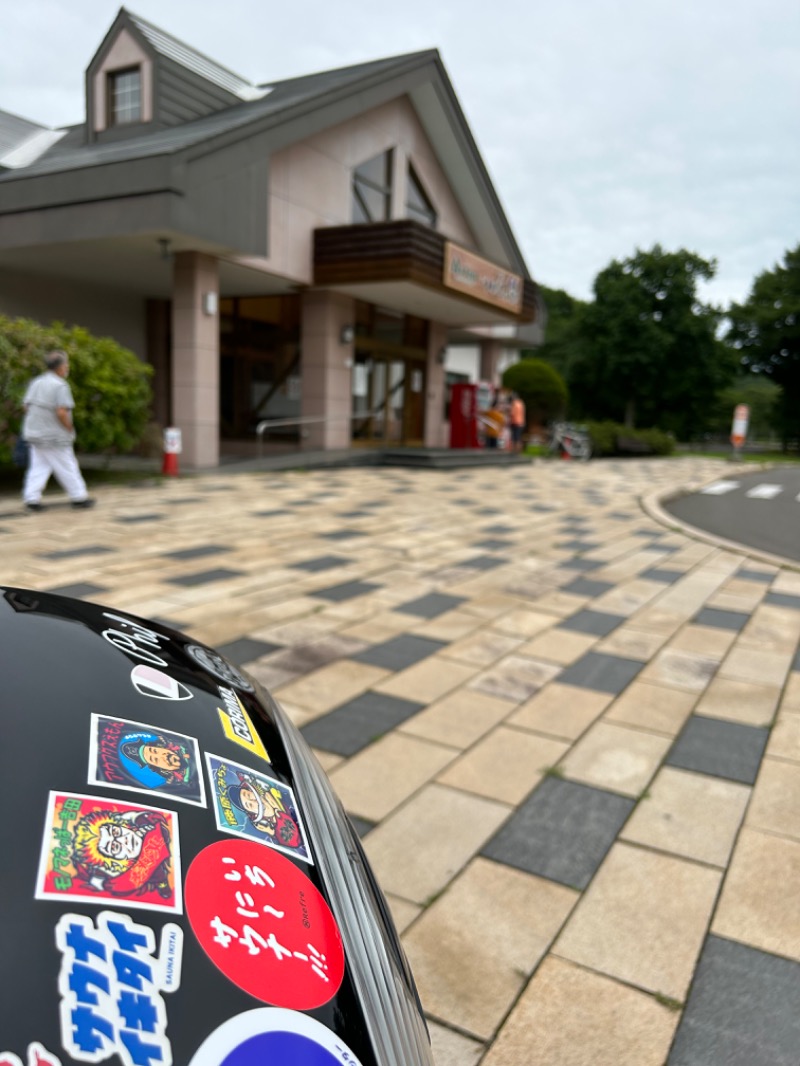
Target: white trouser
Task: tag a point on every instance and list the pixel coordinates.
(60, 462)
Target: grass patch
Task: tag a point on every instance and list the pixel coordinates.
(554, 771)
(668, 1002)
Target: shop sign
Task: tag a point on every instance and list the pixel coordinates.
(477, 277)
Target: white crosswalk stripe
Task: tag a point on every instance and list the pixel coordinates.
(766, 491)
(719, 488)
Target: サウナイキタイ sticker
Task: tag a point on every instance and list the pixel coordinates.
(100, 850)
(273, 1035)
(264, 924)
(250, 804)
(110, 984)
(145, 758)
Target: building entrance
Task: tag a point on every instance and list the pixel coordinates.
(388, 399)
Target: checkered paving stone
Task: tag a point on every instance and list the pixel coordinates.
(303, 658)
(782, 599)
(743, 1010)
(584, 586)
(668, 577)
(482, 562)
(755, 575)
(76, 553)
(399, 652)
(204, 577)
(720, 749)
(499, 528)
(182, 501)
(272, 513)
(359, 722)
(136, 519)
(343, 534)
(361, 825)
(584, 565)
(246, 650)
(348, 590)
(492, 544)
(604, 673)
(80, 590)
(562, 832)
(321, 562)
(713, 616)
(577, 545)
(354, 514)
(431, 605)
(170, 623)
(200, 552)
(596, 623)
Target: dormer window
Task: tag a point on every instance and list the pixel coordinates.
(124, 96)
(418, 206)
(372, 189)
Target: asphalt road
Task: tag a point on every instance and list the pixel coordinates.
(760, 510)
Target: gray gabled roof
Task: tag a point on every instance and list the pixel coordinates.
(167, 45)
(283, 96)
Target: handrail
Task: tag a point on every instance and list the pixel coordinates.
(307, 420)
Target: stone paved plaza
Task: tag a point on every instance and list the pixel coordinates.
(569, 735)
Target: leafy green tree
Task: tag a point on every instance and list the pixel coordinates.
(110, 385)
(541, 389)
(563, 337)
(765, 332)
(650, 355)
(762, 396)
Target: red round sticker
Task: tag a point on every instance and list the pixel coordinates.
(264, 924)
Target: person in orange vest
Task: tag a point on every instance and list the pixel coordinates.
(517, 420)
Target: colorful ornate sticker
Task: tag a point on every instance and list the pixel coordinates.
(237, 726)
(264, 925)
(110, 985)
(101, 850)
(250, 804)
(144, 758)
(219, 667)
(37, 1056)
(157, 685)
(273, 1035)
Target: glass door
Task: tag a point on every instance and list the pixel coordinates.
(388, 399)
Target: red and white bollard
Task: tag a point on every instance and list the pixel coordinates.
(172, 449)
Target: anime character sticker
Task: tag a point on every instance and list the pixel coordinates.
(250, 804)
(143, 758)
(106, 851)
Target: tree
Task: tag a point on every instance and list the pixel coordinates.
(765, 333)
(540, 387)
(110, 385)
(563, 334)
(650, 355)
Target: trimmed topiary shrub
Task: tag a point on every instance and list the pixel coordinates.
(110, 385)
(540, 387)
(613, 439)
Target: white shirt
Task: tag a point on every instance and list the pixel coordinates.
(41, 425)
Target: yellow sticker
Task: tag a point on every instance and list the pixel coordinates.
(237, 726)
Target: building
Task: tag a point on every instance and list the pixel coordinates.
(301, 254)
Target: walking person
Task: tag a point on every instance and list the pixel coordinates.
(49, 431)
(517, 421)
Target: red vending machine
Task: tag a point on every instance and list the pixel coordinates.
(464, 416)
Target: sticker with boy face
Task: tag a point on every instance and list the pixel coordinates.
(250, 804)
(136, 757)
(101, 850)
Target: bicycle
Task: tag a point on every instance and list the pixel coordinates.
(570, 441)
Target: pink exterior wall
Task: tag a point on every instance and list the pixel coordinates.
(195, 358)
(103, 311)
(327, 368)
(310, 184)
(124, 52)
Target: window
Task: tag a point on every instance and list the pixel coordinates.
(372, 189)
(418, 206)
(124, 89)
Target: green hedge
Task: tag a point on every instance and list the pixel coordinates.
(613, 439)
(110, 385)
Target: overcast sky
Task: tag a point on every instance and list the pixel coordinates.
(606, 125)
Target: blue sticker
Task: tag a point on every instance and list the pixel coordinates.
(273, 1034)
